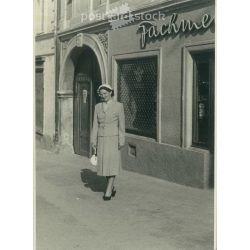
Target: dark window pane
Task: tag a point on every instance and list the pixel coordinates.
(39, 96)
(203, 99)
(137, 90)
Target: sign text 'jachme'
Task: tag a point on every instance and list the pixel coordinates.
(150, 30)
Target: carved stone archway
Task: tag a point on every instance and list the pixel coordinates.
(66, 80)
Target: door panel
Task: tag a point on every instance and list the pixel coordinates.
(84, 119)
(82, 115)
(87, 80)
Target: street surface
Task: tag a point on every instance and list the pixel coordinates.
(146, 214)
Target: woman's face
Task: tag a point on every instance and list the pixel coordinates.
(105, 95)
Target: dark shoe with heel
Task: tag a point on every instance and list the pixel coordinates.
(113, 193)
(106, 198)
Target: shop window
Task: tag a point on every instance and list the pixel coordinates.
(203, 100)
(69, 9)
(39, 94)
(137, 90)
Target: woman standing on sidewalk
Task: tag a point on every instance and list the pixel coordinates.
(108, 136)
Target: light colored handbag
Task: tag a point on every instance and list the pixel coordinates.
(93, 159)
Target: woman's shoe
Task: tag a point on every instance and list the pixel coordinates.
(113, 192)
(106, 198)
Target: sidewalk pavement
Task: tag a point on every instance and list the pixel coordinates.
(146, 214)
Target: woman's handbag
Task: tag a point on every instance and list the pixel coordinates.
(93, 159)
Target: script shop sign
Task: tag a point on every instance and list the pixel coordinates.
(172, 27)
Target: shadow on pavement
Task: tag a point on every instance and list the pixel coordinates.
(93, 181)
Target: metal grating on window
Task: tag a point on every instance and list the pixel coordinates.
(137, 90)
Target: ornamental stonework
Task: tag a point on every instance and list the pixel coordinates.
(65, 44)
(79, 40)
(103, 38)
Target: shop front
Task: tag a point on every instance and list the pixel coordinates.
(163, 73)
(162, 70)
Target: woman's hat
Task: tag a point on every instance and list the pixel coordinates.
(104, 86)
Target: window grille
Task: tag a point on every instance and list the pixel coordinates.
(137, 90)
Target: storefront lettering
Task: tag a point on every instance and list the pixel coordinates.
(150, 30)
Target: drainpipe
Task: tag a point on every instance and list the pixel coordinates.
(57, 48)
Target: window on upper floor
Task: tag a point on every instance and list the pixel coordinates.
(97, 3)
(113, 1)
(69, 9)
(39, 16)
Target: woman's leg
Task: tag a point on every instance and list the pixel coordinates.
(107, 178)
(110, 185)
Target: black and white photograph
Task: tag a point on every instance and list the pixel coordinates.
(127, 125)
(124, 124)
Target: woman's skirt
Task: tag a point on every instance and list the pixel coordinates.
(108, 156)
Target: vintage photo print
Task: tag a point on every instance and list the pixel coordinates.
(125, 124)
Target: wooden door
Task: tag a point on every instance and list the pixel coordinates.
(82, 114)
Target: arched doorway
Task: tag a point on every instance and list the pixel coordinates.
(83, 67)
(87, 78)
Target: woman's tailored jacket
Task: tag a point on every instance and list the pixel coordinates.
(109, 122)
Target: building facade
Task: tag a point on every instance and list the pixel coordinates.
(159, 57)
(44, 29)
